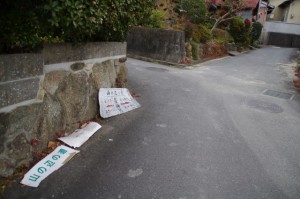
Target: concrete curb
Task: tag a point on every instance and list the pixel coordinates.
(188, 66)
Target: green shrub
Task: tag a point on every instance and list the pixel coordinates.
(255, 31)
(178, 27)
(156, 19)
(74, 21)
(125, 15)
(195, 10)
(26, 24)
(197, 33)
(195, 50)
(201, 34)
(239, 30)
(236, 29)
(96, 20)
(222, 36)
(20, 27)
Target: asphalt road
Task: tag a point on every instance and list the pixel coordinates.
(206, 133)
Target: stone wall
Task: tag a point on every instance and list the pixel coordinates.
(159, 44)
(40, 102)
(19, 77)
(60, 53)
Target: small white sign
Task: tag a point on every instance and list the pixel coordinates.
(115, 101)
(48, 165)
(80, 136)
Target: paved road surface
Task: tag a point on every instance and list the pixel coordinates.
(210, 132)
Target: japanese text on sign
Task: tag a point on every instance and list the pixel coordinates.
(115, 101)
(48, 165)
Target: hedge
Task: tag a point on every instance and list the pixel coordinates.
(26, 24)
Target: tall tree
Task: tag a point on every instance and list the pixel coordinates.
(227, 11)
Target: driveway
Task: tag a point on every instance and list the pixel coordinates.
(228, 128)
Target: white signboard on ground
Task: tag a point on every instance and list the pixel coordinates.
(80, 136)
(48, 165)
(115, 101)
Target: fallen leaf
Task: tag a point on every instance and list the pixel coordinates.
(83, 125)
(34, 142)
(51, 144)
(59, 134)
(134, 94)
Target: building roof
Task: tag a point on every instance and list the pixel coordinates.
(285, 3)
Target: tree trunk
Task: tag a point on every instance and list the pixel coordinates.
(215, 26)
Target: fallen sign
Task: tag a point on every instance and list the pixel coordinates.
(80, 136)
(115, 101)
(60, 156)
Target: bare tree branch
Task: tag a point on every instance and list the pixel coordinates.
(232, 6)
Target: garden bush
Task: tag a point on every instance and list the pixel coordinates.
(96, 20)
(239, 30)
(201, 34)
(156, 19)
(222, 36)
(195, 50)
(195, 10)
(20, 26)
(255, 31)
(178, 27)
(25, 24)
(197, 33)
